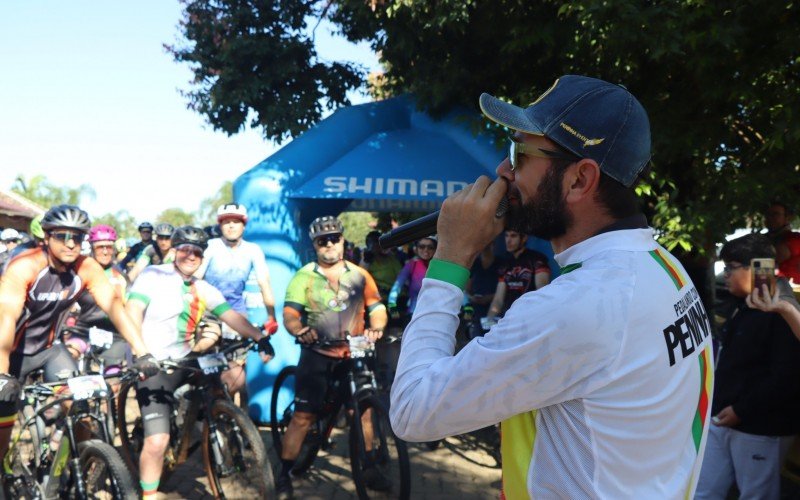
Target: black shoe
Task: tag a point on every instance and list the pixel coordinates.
(283, 488)
(375, 480)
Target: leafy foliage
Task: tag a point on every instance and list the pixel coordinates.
(122, 221)
(43, 192)
(177, 217)
(720, 81)
(255, 60)
(207, 213)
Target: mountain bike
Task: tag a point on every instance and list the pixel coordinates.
(234, 455)
(56, 465)
(353, 388)
(91, 361)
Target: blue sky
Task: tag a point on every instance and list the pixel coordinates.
(89, 95)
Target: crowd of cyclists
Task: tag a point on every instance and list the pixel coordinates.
(181, 291)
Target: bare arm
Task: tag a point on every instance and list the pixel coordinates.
(266, 292)
(497, 302)
(128, 325)
(136, 271)
(8, 323)
(240, 324)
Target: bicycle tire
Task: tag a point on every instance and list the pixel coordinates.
(390, 453)
(129, 427)
(279, 421)
(238, 475)
(119, 482)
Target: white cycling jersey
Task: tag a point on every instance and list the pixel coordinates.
(174, 307)
(614, 355)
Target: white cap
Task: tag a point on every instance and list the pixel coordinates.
(9, 234)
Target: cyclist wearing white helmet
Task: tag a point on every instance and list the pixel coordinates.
(229, 262)
(10, 239)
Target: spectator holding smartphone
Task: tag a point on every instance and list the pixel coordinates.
(756, 388)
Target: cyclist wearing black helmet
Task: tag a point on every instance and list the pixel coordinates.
(160, 253)
(168, 301)
(325, 300)
(37, 287)
(146, 232)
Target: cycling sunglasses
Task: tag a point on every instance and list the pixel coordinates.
(520, 148)
(190, 250)
(65, 236)
(331, 238)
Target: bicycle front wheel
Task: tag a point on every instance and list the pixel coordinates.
(378, 458)
(234, 454)
(281, 415)
(104, 473)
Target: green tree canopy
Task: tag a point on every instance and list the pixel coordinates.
(207, 213)
(40, 190)
(177, 217)
(719, 80)
(122, 221)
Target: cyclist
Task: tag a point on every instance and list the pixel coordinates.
(146, 232)
(412, 274)
(383, 265)
(229, 262)
(37, 287)
(160, 253)
(89, 314)
(324, 300)
(168, 302)
(10, 239)
(526, 270)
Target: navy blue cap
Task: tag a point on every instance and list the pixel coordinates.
(590, 118)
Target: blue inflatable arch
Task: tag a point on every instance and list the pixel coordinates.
(380, 156)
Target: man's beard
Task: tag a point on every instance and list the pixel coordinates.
(545, 215)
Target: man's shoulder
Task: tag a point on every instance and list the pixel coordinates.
(306, 270)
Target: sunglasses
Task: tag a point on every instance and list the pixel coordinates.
(520, 148)
(65, 236)
(190, 250)
(323, 241)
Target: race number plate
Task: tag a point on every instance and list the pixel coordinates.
(213, 363)
(360, 346)
(87, 387)
(100, 338)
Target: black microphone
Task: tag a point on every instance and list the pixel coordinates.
(422, 227)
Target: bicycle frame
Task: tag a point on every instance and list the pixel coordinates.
(66, 455)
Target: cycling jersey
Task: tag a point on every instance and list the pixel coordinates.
(519, 274)
(228, 268)
(332, 311)
(152, 255)
(615, 354)
(91, 314)
(41, 294)
(133, 253)
(174, 307)
(412, 273)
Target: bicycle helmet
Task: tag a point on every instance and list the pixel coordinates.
(145, 226)
(164, 229)
(36, 227)
(102, 232)
(232, 211)
(213, 231)
(190, 235)
(325, 225)
(9, 234)
(66, 217)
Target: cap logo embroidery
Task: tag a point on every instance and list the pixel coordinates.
(586, 140)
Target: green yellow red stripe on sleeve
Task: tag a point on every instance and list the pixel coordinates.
(706, 385)
(8, 421)
(666, 262)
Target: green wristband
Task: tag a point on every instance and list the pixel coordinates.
(449, 272)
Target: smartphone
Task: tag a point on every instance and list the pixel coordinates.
(762, 272)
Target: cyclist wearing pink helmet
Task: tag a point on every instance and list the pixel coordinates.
(86, 314)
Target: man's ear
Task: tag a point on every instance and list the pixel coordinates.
(582, 179)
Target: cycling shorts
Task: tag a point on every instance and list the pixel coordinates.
(314, 370)
(156, 397)
(57, 364)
